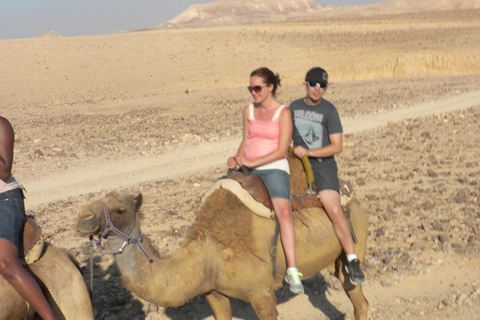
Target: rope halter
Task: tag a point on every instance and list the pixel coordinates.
(110, 227)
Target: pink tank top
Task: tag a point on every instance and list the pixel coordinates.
(263, 135)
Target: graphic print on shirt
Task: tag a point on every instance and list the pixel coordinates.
(310, 128)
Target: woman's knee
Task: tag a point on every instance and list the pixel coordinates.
(284, 217)
(282, 209)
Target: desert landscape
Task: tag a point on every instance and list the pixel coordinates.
(158, 112)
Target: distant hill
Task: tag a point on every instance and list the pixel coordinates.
(407, 6)
(51, 34)
(238, 12)
(235, 12)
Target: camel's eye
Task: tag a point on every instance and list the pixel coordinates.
(121, 210)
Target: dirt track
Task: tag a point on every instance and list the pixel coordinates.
(104, 174)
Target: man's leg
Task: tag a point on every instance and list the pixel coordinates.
(331, 203)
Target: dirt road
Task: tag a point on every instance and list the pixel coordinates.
(105, 174)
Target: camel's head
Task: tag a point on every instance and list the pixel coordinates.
(122, 209)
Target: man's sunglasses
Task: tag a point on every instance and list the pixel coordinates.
(257, 89)
(316, 84)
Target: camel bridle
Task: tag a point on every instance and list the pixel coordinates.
(110, 227)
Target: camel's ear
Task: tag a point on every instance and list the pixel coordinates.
(138, 201)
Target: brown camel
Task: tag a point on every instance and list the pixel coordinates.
(227, 252)
(61, 282)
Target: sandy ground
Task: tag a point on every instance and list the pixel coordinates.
(159, 112)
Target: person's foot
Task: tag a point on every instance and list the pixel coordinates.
(355, 272)
(293, 279)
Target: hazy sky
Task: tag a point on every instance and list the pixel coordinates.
(32, 18)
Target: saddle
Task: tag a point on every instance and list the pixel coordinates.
(32, 242)
(257, 189)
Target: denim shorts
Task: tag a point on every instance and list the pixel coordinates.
(12, 215)
(277, 182)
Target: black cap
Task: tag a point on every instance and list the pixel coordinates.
(317, 75)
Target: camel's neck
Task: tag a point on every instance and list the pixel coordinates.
(167, 281)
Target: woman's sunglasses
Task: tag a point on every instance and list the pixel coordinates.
(257, 89)
(316, 84)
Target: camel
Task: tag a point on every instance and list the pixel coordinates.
(227, 252)
(61, 281)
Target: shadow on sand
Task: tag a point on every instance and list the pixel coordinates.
(316, 288)
(110, 300)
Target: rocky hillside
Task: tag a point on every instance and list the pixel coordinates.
(234, 12)
(239, 12)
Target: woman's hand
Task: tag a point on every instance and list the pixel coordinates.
(243, 161)
(231, 163)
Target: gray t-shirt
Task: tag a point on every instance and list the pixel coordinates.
(312, 125)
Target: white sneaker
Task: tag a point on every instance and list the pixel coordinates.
(293, 279)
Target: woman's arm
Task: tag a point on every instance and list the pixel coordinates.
(6, 148)
(246, 131)
(231, 162)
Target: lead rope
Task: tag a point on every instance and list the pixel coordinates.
(273, 252)
(89, 249)
(347, 214)
(92, 250)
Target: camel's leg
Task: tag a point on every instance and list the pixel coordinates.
(360, 303)
(265, 305)
(220, 305)
(354, 293)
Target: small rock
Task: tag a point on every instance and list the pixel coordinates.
(432, 174)
(444, 238)
(471, 164)
(360, 182)
(474, 240)
(461, 298)
(437, 226)
(38, 153)
(428, 205)
(411, 239)
(461, 196)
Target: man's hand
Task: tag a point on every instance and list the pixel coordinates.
(301, 151)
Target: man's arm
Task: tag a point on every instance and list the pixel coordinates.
(335, 147)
